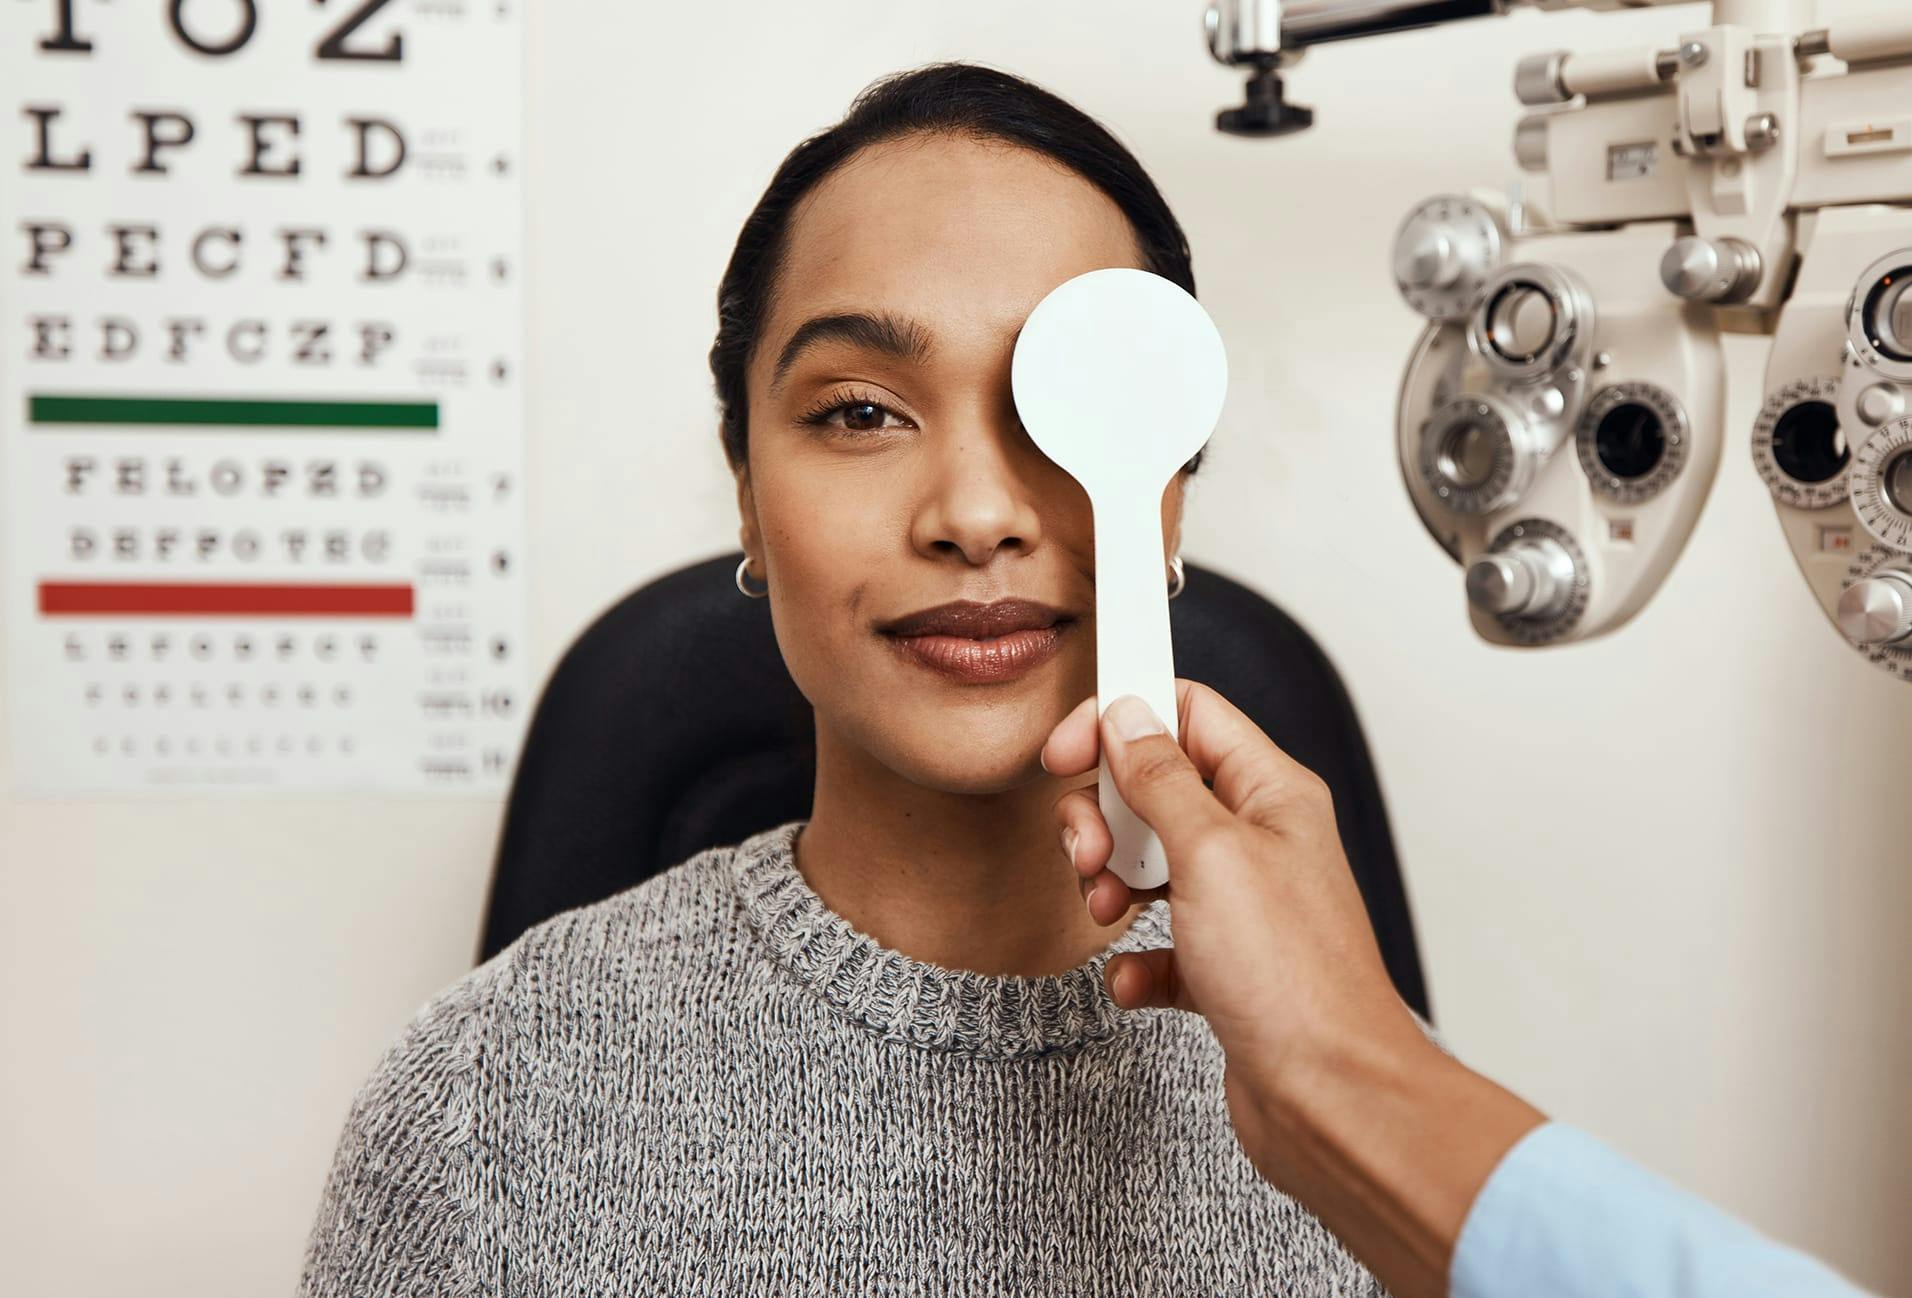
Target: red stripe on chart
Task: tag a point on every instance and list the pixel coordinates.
(192, 599)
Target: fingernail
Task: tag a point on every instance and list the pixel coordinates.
(1069, 842)
(1042, 757)
(1133, 718)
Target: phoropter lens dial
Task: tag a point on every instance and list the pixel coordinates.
(1887, 314)
(1531, 320)
(1879, 318)
(1882, 484)
(1800, 447)
(1479, 453)
(1632, 441)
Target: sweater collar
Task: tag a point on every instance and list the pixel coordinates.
(910, 1000)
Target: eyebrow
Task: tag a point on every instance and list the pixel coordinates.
(894, 336)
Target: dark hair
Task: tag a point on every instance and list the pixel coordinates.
(940, 98)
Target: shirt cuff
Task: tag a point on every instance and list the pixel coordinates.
(1563, 1216)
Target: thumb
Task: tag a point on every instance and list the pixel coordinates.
(1156, 779)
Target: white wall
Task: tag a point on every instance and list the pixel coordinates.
(1662, 881)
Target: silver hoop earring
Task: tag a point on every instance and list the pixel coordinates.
(743, 565)
(1177, 578)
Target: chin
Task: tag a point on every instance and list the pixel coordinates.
(973, 759)
(972, 740)
(976, 779)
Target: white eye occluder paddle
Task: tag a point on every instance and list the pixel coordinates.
(1119, 377)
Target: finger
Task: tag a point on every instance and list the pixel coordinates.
(1073, 746)
(1211, 729)
(1157, 780)
(1078, 810)
(1232, 753)
(1146, 980)
(1109, 898)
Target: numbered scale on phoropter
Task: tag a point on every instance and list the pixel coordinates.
(1882, 484)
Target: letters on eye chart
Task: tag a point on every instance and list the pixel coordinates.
(261, 419)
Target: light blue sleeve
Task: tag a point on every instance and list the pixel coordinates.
(1563, 1216)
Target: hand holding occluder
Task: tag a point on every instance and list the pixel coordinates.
(1272, 940)
(1336, 1094)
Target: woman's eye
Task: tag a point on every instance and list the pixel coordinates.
(851, 412)
(862, 416)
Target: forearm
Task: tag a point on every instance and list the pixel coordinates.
(1387, 1140)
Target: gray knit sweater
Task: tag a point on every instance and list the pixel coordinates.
(712, 1084)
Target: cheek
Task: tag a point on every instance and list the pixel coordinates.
(823, 539)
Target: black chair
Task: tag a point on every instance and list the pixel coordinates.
(671, 725)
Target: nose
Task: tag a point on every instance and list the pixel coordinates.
(979, 499)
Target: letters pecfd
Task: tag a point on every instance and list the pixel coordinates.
(137, 251)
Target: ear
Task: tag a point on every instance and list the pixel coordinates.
(748, 531)
(1172, 506)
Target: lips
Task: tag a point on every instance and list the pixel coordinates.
(974, 621)
(980, 643)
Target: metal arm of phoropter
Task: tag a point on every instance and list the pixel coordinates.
(1266, 35)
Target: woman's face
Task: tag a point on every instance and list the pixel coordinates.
(888, 473)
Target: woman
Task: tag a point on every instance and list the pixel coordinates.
(872, 1051)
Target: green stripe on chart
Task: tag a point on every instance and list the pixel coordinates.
(231, 412)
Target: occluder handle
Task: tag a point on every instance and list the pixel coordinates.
(1134, 655)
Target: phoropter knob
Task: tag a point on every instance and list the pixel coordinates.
(1529, 579)
(1880, 404)
(1443, 254)
(1699, 269)
(1427, 258)
(1878, 610)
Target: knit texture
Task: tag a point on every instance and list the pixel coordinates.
(711, 1083)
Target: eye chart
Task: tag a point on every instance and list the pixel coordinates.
(261, 409)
